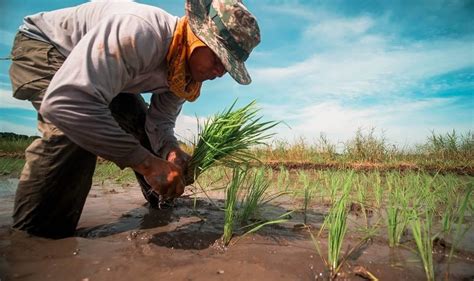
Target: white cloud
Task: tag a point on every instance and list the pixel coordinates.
(186, 127)
(361, 70)
(400, 120)
(337, 29)
(8, 101)
(291, 9)
(6, 126)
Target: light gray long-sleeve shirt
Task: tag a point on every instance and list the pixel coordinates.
(110, 48)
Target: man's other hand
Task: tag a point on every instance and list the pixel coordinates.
(166, 178)
(180, 159)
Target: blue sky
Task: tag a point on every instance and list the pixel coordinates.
(403, 67)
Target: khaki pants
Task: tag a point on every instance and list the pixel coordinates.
(57, 175)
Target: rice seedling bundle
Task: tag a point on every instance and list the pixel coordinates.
(226, 138)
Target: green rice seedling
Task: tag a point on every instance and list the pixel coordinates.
(396, 211)
(254, 227)
(336, 222)
(254, 199)
(283, 179)
(378, 190)
(269, 173)
(308, 194)
(362, 198)
(448, 212)
(422, 233)
(323, 183)
(460, 229)
(227, 137)
(421, 188)
(232, 191)
(335, 183)
(448, 197)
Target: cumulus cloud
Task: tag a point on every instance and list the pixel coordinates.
(339, 29)
(186, 127)
(402, 122)
(364, 69)
(6, 126)
(8, 101)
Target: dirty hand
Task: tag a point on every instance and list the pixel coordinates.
(181, 159)
(164, 177)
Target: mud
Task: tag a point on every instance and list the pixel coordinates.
(121, 238)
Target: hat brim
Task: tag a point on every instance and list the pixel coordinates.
(203, 28)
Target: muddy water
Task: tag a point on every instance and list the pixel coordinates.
(120, 238)
(7, 193)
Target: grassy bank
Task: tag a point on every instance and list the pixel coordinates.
(451, 152)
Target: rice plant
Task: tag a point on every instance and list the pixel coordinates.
(334, 184)
(422, 233)
(231, 194)
(226, 137)
(451, 201)
(260, 224)
(378, 190)
(396, 211)
(254, 199)
(308, 194)
(283, 179)
(460, 229)
(361, 193)
(336, 222)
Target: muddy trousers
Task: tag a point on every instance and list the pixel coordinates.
(57, 175)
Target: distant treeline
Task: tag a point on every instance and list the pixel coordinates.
(13, 136)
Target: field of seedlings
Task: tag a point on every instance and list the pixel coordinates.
(281, 212)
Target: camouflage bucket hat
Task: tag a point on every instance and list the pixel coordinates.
(229, 29)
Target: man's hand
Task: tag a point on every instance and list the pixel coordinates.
(180, 159)
(166, 178)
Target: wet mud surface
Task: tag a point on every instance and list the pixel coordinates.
(120, 238)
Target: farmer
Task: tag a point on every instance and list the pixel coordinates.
(83, 68)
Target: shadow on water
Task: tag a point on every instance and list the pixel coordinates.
(189, 224)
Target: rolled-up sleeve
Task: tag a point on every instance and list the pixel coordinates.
(107, 57)
(161, 120)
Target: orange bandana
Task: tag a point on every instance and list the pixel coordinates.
(183, 44)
